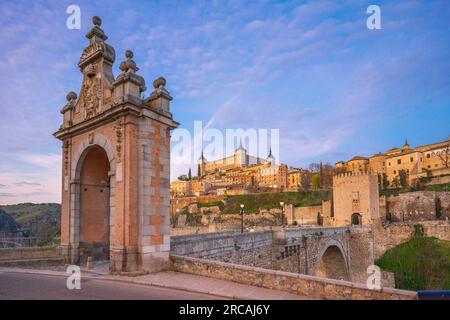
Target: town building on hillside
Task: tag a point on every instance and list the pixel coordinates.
(423, 161)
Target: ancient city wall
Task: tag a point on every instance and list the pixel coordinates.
(181, 202)
(303, 285)
(303, 215)
(415, 206)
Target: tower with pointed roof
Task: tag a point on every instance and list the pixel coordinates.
(201, 162)
(270, 157)
(240, 155)
(406, 145)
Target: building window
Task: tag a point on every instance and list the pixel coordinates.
(411, 159)
(429, 167)
(355, 197)
(395, 172)
(428, 155)
(389, 164)
(399, 161)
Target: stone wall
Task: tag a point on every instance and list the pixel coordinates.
(305, 215)
(414, 206)
(35, 253)
(361, 253)
(214, 227)
(303, 285)
(220, 243)
(181, 202)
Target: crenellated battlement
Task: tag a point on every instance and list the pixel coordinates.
(346, 175)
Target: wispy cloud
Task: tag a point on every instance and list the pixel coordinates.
(309, 68)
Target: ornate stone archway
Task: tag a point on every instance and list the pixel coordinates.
(110, 115)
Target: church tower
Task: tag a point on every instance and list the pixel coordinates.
(240, 156)
(201, 162)
(116, 164)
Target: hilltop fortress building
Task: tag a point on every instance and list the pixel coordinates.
(237, 174)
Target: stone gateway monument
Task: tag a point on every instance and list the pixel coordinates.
(116, 164)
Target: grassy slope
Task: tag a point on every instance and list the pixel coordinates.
(253, 202)
(419, 264)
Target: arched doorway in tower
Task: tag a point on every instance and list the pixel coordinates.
(356, 219)
(94, 205)
(332, 265)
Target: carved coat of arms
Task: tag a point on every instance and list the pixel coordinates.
(92, 94)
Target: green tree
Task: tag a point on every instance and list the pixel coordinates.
(190, 174)
(316, 181)
(305, 182)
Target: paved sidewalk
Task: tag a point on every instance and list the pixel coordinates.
(179, 281)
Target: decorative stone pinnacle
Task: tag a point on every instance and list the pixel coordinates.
(129, 65)
(96, 21)
(160, 82)
(96, 33)
(71, 96)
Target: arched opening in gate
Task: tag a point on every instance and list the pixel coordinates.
(332, 265)
(94, 197)
(356, 219)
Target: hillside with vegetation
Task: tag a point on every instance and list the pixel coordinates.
(434, 187)
(253, 202)
(422, 263)
(42, 220)
(7, 223)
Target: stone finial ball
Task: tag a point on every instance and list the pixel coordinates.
(96, 21)
(129, 54)
(71, 96)
(159, 82)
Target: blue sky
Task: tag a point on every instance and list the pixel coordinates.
(310, 68)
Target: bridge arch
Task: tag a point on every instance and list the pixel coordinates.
(332, 262)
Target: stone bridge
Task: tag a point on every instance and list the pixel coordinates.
(337, 253)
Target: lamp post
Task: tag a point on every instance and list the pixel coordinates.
(282, 212)
(242, 217)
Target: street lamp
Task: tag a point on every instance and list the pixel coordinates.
(242, 217)
(282, 212)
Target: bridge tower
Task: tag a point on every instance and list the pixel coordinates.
(355, 199)
(116, 162)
